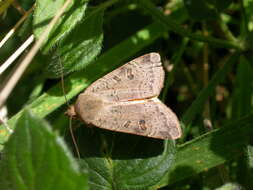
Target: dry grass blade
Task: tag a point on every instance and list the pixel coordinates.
(23, 65)
(15, 55)
(11, 32)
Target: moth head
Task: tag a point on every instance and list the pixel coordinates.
(71, 112)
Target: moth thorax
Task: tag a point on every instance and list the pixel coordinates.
(88, 107)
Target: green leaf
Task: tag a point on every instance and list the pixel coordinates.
(79, 48)
(243, 93)
(36, 158)
(210, 150)
(45, 10)
(121, 161)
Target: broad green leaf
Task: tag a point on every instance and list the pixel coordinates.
(210, 150)
(127, 174)
(79, 48)
(36, 158)
(45, 10)
(121, 161)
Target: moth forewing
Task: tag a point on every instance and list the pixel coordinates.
(125, 100)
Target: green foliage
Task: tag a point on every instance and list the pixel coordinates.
(205, 9)
(4, 5)
(117, 170)
(79, 48)
(74, 41)
(45, 11)
(196, 106)
(211, 149)
(36, 158)
(209, 45)
(229, 186)
(242, 94)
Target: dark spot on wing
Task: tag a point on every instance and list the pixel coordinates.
(142, 124)
(114, 110)
(117, 78)
(130, 74)
(146, 58)
(126, 125)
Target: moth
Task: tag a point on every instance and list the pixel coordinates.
(126, 100)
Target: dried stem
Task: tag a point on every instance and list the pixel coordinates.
(24, 64)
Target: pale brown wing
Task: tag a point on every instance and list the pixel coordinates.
(148, 117)
(138, 79)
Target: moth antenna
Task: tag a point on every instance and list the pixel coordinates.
(67, 102)
(62, 83)
(73, 138)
